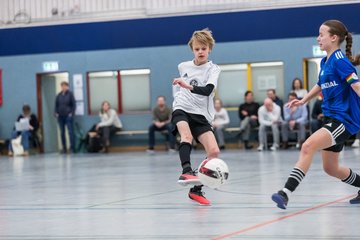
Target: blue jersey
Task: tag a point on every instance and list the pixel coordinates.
(340, 101)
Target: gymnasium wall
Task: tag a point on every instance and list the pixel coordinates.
(159, 44)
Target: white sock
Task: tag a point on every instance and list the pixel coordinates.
(287, 191)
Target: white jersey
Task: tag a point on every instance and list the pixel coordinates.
(202, 75)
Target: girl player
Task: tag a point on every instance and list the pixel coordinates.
(340, 86)
(194, 108)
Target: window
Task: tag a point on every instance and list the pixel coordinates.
(102, 86)
(232, 84)
(135, 90)
(267, 75)
(125, 90)
(236, 79)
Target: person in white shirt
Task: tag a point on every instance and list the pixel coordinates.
(109, 124)
(297, 87)
(193, 108)
(269, 117)
(220, 121)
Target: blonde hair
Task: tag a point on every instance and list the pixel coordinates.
(204, 37)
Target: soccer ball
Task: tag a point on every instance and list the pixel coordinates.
(213, 173)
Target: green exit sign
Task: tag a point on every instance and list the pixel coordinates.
(317, 52)
(50, 66)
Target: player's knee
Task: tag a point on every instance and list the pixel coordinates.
(186, 138)
(307, 148)
(213, 152)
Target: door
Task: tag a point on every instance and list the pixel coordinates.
(311, 75)
(48, 87)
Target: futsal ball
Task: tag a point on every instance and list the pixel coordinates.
(213, 173)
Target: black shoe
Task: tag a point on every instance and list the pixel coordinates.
(356, 199)
(281, 199)
(248, 147)
(285, 145)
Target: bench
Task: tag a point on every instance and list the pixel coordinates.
(140, 132)
(132, 132)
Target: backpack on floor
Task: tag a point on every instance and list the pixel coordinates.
(95, 144)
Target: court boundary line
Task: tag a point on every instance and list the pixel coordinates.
(259, 225)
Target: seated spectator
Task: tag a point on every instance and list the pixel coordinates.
(271, 93)
(161, 122)
(248, 114)
(295, 117)
(221, 119)
(109, 124)
(26, 134)
(356, 143)
(297, 87)
(317, 115)
(269, 117)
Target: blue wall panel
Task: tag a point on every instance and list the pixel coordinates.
(227, 27)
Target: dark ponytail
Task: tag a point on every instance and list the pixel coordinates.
(355, 61)
(338, 28)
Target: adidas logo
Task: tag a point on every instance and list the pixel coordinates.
(329, 124)
(185, 75)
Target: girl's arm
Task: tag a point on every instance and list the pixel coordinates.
(313, 93)
(356, 87)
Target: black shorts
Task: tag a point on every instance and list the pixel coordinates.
(197, 123)
(338, 132)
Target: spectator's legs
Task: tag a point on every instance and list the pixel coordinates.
(172, 139)
(285, 134)
(302, 133)
(246, 135)
(314, 125)
(244, 123)
(152, 130)
(13, 136)
(62, 122)
(70, 127)
(262, 134)
(25, 140)
(276, 134)
(219, 133)
(105, 135)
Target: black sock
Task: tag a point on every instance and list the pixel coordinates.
(353, 179)
(294, 179)
(197, 188)
(184, 153)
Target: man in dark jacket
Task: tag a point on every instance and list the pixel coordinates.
(248, 114)
(65, 106)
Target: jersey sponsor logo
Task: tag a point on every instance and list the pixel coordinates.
(329, 84)
(194, 82)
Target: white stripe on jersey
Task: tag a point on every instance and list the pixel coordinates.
(339, 55)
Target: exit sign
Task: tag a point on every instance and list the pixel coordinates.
(317, 52)
(50, 66)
